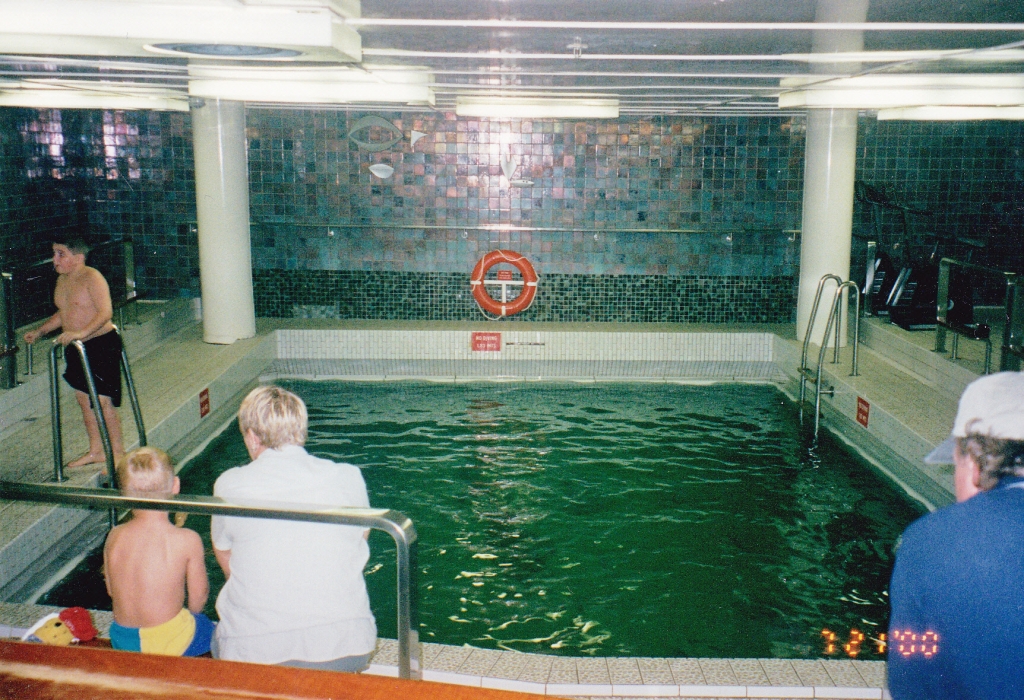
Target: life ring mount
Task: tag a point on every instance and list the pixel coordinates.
(478, 282)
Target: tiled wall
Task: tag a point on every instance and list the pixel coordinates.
(562, 298)
(110, 174)
(585, 346)
(33, 201)
(672, 188)
(462, 355)
(968, 175)
(633, 219)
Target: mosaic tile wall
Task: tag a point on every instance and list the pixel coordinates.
(33, 201)
(657, 181)
(677, 202)
(628, 220)
(969, 176)
(110, 174)
(565, 298)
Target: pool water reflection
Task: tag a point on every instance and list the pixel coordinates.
(613, 520)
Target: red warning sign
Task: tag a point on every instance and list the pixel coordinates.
(486, 342)
(204, 403)
(863, 411)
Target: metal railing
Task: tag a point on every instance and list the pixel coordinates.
(396, 524)
(1013, 328)
(9, 360)
(58, 442)
(835, 316)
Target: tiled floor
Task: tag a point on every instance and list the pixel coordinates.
(183, 365)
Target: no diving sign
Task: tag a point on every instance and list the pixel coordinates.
(204, 403)
(863, 411)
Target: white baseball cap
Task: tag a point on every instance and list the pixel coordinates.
(992, 406)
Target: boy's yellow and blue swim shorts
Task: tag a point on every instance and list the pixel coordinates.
(186, 634)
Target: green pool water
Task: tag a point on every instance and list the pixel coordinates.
(608, 520)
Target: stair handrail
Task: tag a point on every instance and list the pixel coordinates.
(814, 312)
(90, 382)
(834, 315)
(1010, 312)
(396, 524)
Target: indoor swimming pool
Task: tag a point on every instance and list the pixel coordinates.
(601, 519)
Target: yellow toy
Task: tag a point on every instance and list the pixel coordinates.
(63, 628)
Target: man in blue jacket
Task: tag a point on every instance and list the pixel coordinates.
(957, 590)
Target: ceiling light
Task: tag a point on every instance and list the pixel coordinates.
(313, 29)
(957, 114)
(310, 85)
(59, 98)
(536, 108)
(903, 90)
(227, 50)
(86, 94)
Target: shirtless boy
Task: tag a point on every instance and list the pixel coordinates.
(84, 312)
(149, 565)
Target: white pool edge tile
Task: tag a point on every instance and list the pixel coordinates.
(645, 691)
(847, 692)
(779, 691)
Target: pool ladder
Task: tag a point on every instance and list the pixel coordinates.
(834, 317)
(58, 443)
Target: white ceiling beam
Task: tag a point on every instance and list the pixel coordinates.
(958, 114)
(81, 94)
(308, 84)
(879, 91)
(856, 57)
(690, 26)
(104, 27)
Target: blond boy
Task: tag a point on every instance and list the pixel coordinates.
(149, 565)
(84, 312)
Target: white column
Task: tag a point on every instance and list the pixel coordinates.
(830, 162)
(222, 208)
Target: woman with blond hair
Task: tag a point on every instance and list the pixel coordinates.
(295, 593)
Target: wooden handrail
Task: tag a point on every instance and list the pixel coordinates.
(31, 671)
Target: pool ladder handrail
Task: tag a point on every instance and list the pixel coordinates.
(58, 442)
(834, 316)
(396, 524)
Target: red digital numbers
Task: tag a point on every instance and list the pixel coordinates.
(852, 647)
(911, 643)
(854, 643)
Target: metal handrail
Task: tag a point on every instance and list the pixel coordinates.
(1009, 348)
(814, 312)
(108, 452)
(396, 524)
(835, 315)
(8, 363)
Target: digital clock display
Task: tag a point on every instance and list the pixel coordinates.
(905, 642)
(910, 643)
(855, 643)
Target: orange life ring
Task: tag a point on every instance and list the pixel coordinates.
(503, 308)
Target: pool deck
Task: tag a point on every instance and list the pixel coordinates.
(172, 365)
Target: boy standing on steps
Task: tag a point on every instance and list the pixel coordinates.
(149, 565)
(84, 312)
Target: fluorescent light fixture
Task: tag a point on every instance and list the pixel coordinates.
(312, 28)
(955, 114)
(536, 108)
(310, 85)
(903, 90)
(83, 95)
